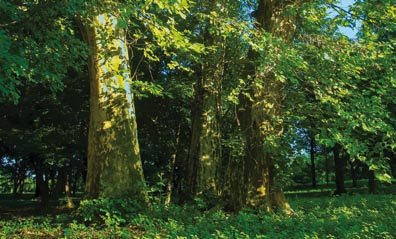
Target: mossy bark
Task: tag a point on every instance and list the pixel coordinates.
(259, 118)
(114, 164)
(205, 148)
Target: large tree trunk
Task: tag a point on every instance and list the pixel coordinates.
(205, 148)
(259, 117)
(234, 195)
(114, 164)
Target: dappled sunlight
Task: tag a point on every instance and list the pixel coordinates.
(236, 101)
(113, 151)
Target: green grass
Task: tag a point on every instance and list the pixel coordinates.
(348, 216)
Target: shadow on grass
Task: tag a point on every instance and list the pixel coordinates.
(25, 205)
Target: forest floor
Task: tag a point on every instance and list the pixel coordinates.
(316, 214)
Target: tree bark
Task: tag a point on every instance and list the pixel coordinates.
(205, 148)
(259, 120)
(339, 165)
(114, 164)
(236, 180)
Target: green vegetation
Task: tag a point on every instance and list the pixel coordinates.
(197, 118)
(348, 216)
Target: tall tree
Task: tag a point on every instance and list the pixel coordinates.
(260, 110)
(114, 164)
(205, 149)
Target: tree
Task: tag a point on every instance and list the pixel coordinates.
(114, 164)
(338, 79)
(268, 82)
(259, 111)
(29, 31)
(56, 137)
(204, 156)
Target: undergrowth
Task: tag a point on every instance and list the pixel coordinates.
(357, 216)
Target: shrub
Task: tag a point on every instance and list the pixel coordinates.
(109, 212)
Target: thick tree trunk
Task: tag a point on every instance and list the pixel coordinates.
(339, 165)
(114, 165)
(260, 116)
(205, 148)
(312, 154)
(234, 195)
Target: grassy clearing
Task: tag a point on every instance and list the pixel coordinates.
(349, 216)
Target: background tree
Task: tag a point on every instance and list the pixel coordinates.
(32, 129)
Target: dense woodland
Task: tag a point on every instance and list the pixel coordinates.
(221, 104)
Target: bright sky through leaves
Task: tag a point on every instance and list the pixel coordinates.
(350, 32)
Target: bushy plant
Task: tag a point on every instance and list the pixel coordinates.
(109, 212)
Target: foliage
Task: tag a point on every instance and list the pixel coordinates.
(28, 32)
(337, 90)
(358, 216)
(109, 212)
